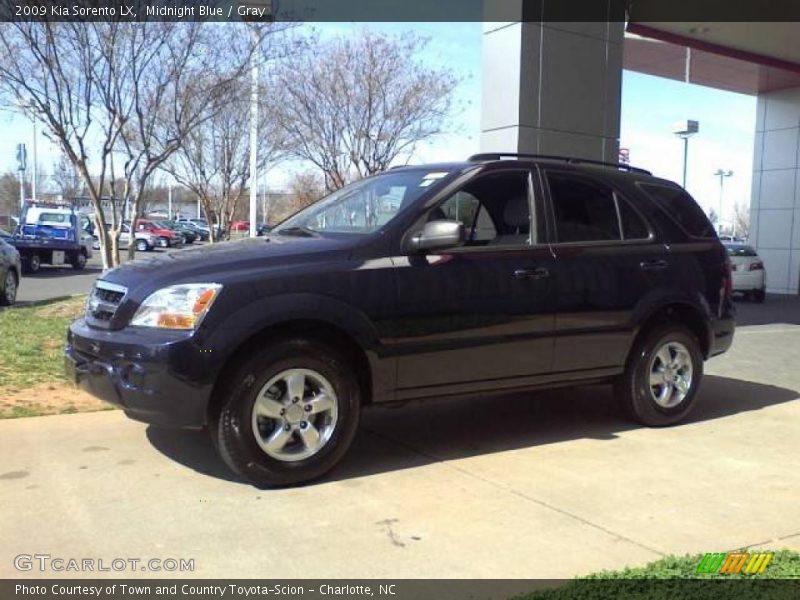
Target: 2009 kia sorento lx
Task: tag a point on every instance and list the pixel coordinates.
(422, 282)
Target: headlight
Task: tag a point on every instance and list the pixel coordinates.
(177, 306)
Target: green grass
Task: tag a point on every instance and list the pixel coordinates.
(32, 343)
(675, 578)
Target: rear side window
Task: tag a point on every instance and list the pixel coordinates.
(584, 211)
(682, 208)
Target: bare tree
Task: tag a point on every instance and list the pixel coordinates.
(305, 188)
(9, 193)
(119, 98)
(354, 105)
(214, 161)
(187, 74)
(53, 70)
(66, 180)
(741, 216)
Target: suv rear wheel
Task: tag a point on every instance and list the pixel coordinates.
(662, 376)
(290, 415)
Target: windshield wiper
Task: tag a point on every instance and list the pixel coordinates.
(298, 231)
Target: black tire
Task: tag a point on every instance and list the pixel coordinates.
(79, 262)
(232, 427)
(759, 296)
(142, 245)
(633, 390)
(10, 285)
(33, 264)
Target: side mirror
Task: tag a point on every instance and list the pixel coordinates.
(438, 235)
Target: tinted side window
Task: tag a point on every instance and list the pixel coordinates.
(494, 209)
(682, 208)
(584, 211)
(633, 227)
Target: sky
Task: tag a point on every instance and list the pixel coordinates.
(650, 108)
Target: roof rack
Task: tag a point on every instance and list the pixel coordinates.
(567, 159)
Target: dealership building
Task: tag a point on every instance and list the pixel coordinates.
(555, 88)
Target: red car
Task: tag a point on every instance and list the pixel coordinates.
(166, 237)
(240, 226)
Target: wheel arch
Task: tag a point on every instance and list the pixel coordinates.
(347, 333)
(684, 312)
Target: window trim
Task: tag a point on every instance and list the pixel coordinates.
(616, 195)
(532, 219)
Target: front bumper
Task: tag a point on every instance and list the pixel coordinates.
(155, 376)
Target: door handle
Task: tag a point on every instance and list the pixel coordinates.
(653, 265)
(537, 273)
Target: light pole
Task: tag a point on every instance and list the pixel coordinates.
(35, 157)
(685, 130)
(722, 174)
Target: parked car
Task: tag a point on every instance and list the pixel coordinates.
(203, 226)
(749, 276)
(145, 240)
(201, 234)
(10, 271)
(189, 235)
(166, 237)
(479, 277)
(240, 226)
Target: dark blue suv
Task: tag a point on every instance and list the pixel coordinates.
(502, 273)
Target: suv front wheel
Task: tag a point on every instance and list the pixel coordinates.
(662, 376)
(290, 415)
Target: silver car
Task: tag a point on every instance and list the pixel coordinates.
(145, 241)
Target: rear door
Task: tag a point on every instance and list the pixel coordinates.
(607, 260)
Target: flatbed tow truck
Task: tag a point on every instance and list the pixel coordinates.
(51, 233)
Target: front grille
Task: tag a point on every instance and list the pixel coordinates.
(104, 302)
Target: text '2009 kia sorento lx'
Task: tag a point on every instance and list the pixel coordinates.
(486, 276)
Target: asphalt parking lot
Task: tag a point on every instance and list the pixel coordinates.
(52, 283)
(544, 485)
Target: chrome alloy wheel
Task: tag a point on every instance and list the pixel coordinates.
(294, 415)
(671, 374)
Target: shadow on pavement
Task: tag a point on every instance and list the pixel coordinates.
(191, 448)
(423, 433)
(778, 309)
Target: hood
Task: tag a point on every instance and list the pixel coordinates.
(219, 262)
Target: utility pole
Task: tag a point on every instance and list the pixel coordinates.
(722, 174)
(35, 166)
(254, 131)
(169, 202)
(22, 164)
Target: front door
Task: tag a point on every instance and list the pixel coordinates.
(480, 314)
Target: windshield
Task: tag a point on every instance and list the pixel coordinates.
(365, 206)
